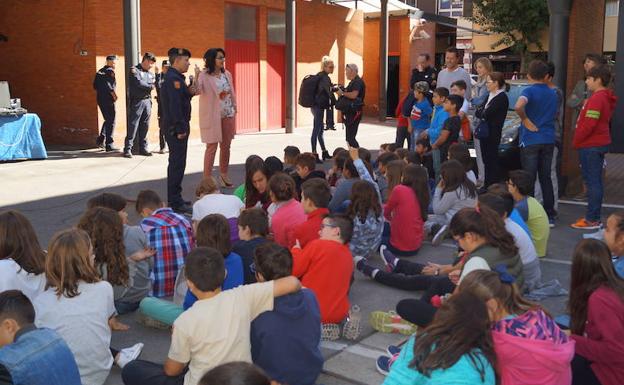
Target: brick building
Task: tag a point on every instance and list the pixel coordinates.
(54, 49)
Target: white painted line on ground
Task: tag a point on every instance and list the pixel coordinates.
(558, 261)
(357, 349)
(608, 205)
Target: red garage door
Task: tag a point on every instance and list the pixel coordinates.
(276, 86)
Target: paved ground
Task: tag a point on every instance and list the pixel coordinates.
(53, 194)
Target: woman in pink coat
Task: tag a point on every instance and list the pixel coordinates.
(217, 109)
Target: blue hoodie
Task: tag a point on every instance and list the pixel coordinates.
(285, 341)
(437, 122)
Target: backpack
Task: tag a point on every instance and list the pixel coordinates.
(307, 90)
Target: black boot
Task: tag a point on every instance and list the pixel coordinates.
(326, 155)
(318, 161)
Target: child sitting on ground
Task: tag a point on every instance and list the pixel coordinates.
(422, 156)
(285, 341)
(305, 165)
(334, 176)
(460, 153)
(325, 266)
(340, 197)
(520, 185)
(170, 234)
(402, 153)
(29, 355)
(253, 228)
(394, 173)
(79, 306)
(236, 373)
(459, 88)
(216, 329)
(286, 212)
(315, 197)
(614, 238)
(211, 201)
(500, 189)
(290, 154)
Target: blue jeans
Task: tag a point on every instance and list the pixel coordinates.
(592, 161)
(317, 129)
(537, 160)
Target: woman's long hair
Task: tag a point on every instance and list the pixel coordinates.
(460, 327)
(416, 177)
(487, 64)
(486, 223)
(394, 173)
(19, 242)
(105, 228)
(253, 164)
(364, 199)
(454, 176)
(210, 57)
(591, 269)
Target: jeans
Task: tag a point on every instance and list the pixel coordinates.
(537, 160)
(317, 129)
(414, 137)
(406, 276)
(140, 372)
(401, 136)
(554, 176)
(352, 123)
(592, 161)
(437, 163)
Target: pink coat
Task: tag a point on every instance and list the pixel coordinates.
(210, 107)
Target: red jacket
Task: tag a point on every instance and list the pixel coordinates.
(603, 342)
(401, 120)
(326, 267)
(592, 126)
(406, 223)
(308, 230)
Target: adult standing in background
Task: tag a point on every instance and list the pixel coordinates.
(355, 91)
(217, 110)
(322, 101)
(176, 102)
(160, 79)
(105, 84)
(453, 72)
(480, 94)
(424, 72)
(140, 108)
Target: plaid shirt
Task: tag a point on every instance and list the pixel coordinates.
(172, 237)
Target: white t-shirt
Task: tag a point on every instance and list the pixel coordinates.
(82, 321)
(216, 331)
(13, 277)
(526, 249)
(471, 176)
(227, 205)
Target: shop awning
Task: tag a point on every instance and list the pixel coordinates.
(373, 6)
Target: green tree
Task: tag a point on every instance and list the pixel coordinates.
(518, 22)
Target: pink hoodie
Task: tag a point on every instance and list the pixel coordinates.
(527, 361)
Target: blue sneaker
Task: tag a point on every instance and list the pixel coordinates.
(383, 365)
(393, 350)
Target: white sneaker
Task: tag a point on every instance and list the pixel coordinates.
(129, 354)
(439, 236)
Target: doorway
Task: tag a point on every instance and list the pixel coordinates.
(392, 94)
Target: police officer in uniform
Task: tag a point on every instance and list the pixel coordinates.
(160, 79)
(104, 85)
(140, 108)
(176, 115)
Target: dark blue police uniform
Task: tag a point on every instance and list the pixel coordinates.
(176, 115)
(160, 79)
(104, 84)
(140, 109)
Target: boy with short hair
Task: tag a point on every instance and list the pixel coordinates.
(290, 154)
(537, 107)
(170, 234)
(520, 185)
(305, 167)
(253, 228)
(285, 341)
(592, 139)
(216, 329)
(419, 112)
(315, 197)
(438, 118)
(450, 129)
(31, 355)
(424, 157)
(459, 88)
(325, 265)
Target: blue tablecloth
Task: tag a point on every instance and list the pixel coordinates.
(20, 138)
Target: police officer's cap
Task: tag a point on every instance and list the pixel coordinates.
(111, 57)
(149, 56)
(165, 63)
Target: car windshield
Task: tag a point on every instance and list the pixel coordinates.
(514, 93)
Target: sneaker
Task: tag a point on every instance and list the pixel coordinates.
(439, 236)
(599, 235)
(351, 329)
(127, 154)
(584, 224)
(330, 332)
(111, 148)
(393, 350)
(363, 267)
(388, 258)
(145, 153)
(383, 365)
(551, 222)
(391, 322)
(129, 354)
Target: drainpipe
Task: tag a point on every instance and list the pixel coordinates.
(558, 39)
(132, 43)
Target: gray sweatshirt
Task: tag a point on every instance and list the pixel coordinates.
(449, 203)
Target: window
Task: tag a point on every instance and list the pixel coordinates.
(451, 8)
(276, 27)
(612, 8)
(240, 22)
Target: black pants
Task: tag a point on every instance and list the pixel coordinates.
(108, 112)
(406, 276)
(401, 136)
(582, 373)
(352, 123)
(138, 123)
(162, 131)
(140, 372)
(420, 311)
(175, 169)
(489, 154)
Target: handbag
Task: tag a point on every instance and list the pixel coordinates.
(347, 105)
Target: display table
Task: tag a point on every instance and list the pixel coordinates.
(20, 138)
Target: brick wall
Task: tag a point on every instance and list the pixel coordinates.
(52, 80)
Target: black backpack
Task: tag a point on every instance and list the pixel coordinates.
(307, 90)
